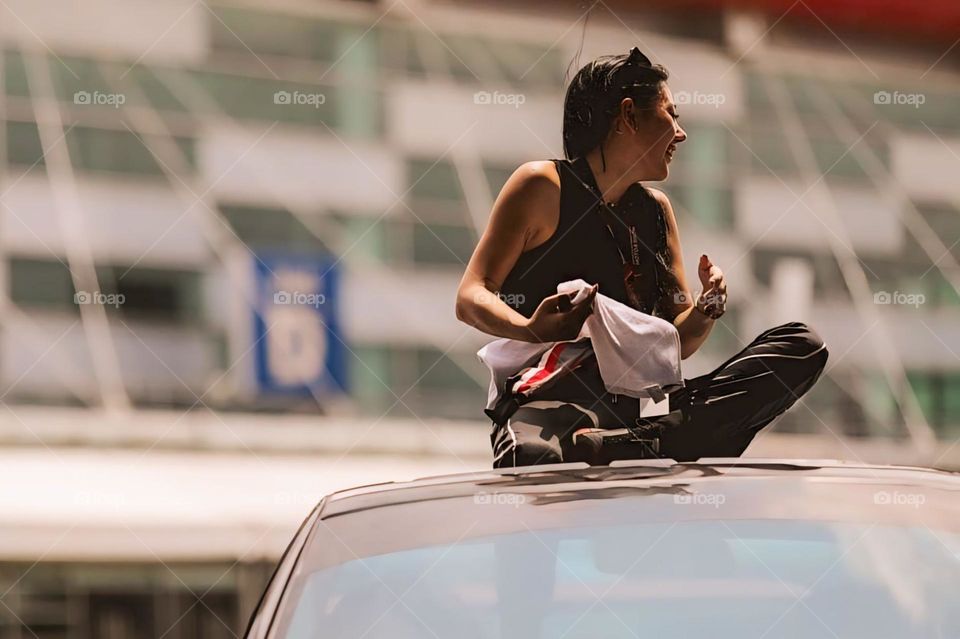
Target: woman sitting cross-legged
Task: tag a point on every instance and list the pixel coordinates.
(589, 216)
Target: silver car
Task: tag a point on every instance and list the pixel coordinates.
(718, 548)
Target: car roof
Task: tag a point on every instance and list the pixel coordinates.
(549, 478)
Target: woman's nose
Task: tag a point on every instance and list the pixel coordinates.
(680, 135)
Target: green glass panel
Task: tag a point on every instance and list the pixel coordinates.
(442, 244)
(15, 74)
(433, 180)
(261, 227)
(118, 151)
(23, 144)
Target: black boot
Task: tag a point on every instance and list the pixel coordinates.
(600, 446)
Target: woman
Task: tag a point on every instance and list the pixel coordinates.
(588, 216)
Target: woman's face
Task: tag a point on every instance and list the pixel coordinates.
(656, 136)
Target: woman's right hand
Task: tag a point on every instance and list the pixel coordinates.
(557, 319)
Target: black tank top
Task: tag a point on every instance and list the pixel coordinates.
(582, 247)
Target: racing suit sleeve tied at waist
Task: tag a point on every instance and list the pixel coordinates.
(638, 355)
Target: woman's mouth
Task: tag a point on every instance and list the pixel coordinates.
(670, 152)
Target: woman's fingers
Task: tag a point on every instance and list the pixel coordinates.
(578, 315)
(564, 302)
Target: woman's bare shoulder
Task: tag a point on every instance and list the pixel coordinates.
(533, 190)
(657, 194)
(540, 177)
(529, 202)
(665, 204)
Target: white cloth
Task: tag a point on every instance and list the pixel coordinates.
(635, 351)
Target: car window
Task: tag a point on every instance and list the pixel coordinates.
(718, 578)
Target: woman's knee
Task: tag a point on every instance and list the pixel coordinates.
(814, 347)
(537, 451)
(804, 342)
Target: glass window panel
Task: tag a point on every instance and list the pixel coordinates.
(757, 97)
(703, 155)
(951, 404)
(710, 206)
(364, 239)
(433, 180)
(118, 151)
(23, 144)
(497, 176)
(944, 292)
(75, 76)
(768, 151)
(461, 56)
(155, 90)
(937, 111)
(837, 159)
(399, 51)
(924, 386)
(261, 99)
(243, 30)
(156, 294)
(371, 377)
(944, 219)
(827, 277)
(358, 111)
(879, 403)
(15, 74)
(729, 576)
(152, 293)
(438, 372)
(263, 227)
(442, 244)
(41, 283)
(529, 64)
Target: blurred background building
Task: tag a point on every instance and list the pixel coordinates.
(231, 234)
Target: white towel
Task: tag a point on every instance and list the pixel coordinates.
(638, 354)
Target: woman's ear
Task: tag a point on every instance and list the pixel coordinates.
(628, 113)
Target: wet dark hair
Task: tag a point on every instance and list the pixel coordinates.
(591, 105)
(594, 95)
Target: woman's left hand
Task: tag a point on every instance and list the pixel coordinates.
(712, 301)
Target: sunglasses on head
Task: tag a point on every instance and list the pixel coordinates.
(637, 57)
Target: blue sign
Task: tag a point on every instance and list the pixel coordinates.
(298, 347)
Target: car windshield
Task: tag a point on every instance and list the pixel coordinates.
(709, 577)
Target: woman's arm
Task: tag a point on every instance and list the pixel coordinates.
(692, 323)
(524, 215)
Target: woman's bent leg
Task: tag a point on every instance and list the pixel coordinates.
(539, 433)
(721, 412)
